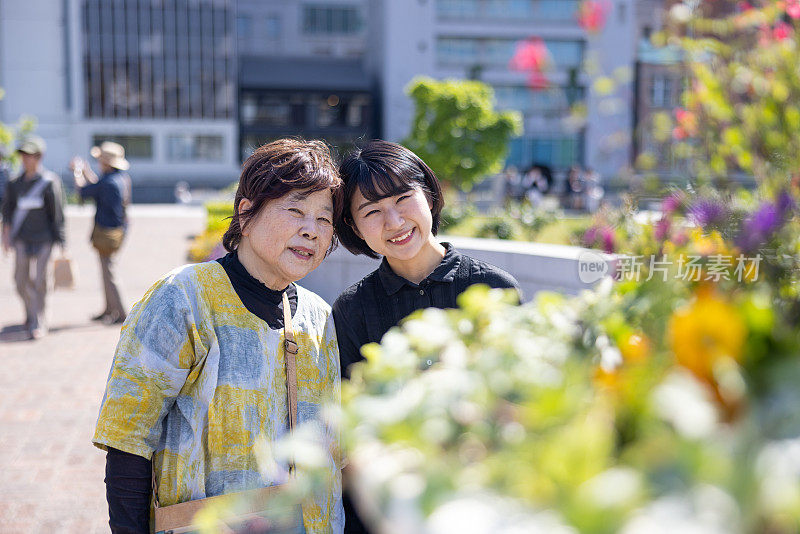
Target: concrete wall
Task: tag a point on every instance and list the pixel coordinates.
(537, 267)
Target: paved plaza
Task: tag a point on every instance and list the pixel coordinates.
(50, 389)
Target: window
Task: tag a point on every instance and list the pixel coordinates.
(661, 91)
(538, 10)
(553, 102)
(272, 26)
(556, 152)
(136, 146)
(463, 51)
(190, 147)
(244, 27)
(331, 20)
(457, 51)
(159, 59)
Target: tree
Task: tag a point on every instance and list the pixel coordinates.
(456, 130)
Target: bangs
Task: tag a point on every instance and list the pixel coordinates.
(376, 182)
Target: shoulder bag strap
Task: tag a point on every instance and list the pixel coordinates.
(290, 350)
(21, 213)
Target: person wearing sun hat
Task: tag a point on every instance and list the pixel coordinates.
(111, 194)
(33, 221)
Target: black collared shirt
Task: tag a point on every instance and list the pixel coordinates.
(365, 311)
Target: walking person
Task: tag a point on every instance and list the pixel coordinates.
(391, 208)
(33, 221)
(111, 194)
(203, 370)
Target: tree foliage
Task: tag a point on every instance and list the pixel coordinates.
(457, 131)
(741, 107)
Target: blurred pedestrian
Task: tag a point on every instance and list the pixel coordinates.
(514, 189)
(5, 172)
(575, 188)
(111, 193)
(33, 221)
(593, 190)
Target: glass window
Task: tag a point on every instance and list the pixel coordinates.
(331, 20)
(244, 27)
(456, 51)
(557, 152)
(140, 58)
(457, 8)
(136, 146)
(660, 91)
(539, 10)
(273, 26)
(556, 10)
(498, 52)
(190, 147)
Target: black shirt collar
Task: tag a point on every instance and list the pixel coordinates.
(444, 272)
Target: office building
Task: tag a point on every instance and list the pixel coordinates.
(477, 39)
(301, 72)
(158, 76)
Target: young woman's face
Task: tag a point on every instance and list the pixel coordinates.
(397, 227)
(289, 237)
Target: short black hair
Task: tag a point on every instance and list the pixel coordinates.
(382, 169)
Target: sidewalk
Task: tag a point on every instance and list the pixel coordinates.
(50, 389)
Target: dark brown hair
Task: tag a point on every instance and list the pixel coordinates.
(274, 170)
(382, 169)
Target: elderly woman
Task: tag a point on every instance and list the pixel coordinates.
(200, 370)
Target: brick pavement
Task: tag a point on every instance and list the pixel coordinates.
(50, 389)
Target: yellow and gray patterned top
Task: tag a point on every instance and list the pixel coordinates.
(197, 378)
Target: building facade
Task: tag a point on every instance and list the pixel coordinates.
(301, 72)
(190, 87)
(477, 39)
(158, 76)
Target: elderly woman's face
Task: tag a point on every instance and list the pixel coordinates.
(288, 238)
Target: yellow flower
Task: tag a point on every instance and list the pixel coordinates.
(706, 331)
(635, 348)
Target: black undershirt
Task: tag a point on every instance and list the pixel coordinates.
(129, 476)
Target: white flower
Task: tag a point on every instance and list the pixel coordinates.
(485, 513)
(680, 13)
(778, 468)
(705, 510)
(614, 487)
(684, 402)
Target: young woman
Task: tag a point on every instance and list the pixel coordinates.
(199, 373)
(392, 205)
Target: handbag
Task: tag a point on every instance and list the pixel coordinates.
(107, 240)
(179, 518)
(63, 272)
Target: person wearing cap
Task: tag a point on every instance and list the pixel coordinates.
(33, 221)
(111, 194)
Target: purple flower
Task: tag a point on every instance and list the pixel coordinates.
(785, 203)
(662, 229)
(590, 236)
(759, 227)
(608, 240)
(705, 212)
(672, 202)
